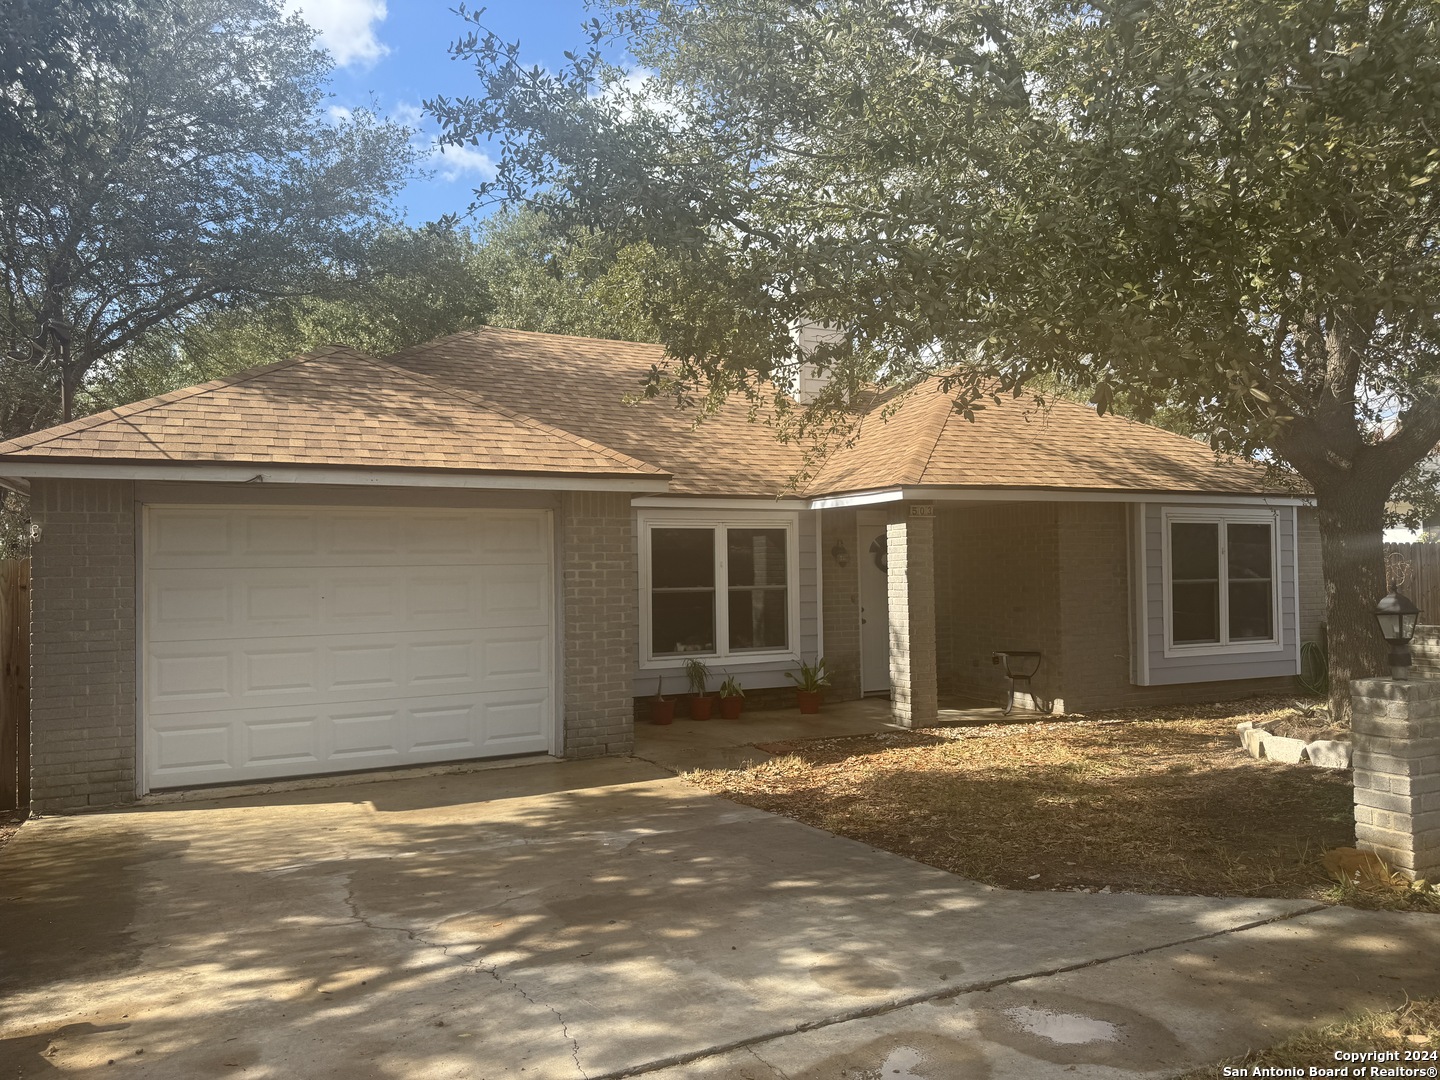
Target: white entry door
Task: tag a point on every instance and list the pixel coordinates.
(874, 607)
(291, 641)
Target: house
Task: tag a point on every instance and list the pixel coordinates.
(476, 548)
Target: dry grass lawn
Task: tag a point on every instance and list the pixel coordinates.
(1415, 1028)
(1157, 801)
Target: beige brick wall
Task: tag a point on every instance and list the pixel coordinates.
(910, 547)
(996, 573)
(82, 644)
(599, 590)
(1397, 772)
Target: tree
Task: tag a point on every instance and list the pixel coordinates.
(1223, 208)
(176, 162)
(411, 286)
(545, 280)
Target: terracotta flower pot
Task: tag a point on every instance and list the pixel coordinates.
(730, 707)
(701, 705)
(662, 712)
(809, 701)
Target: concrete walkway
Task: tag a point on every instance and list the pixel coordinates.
(601, 919)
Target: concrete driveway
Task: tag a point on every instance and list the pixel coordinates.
(602, 919)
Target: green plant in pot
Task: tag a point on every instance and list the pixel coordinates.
(698, 676)
(810, 683)
(662, 711)
(732, 697)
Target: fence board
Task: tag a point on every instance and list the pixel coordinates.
(14, 684)
(1422, 578)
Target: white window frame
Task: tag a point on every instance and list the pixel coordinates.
(1222, 518)
(649, 520)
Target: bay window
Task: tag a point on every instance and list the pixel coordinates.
(716, 589)
(1221, 578)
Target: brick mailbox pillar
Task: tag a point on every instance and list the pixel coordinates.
(1397, 772)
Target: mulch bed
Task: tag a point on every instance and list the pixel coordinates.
(1156, 801)
(10, 821)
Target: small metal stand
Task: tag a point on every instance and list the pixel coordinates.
(1019, 666)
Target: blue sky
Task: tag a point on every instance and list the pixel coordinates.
(395, 55)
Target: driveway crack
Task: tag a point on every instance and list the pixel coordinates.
(476, 964)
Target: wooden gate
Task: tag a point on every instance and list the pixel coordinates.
(14, 684)
(1422, 576)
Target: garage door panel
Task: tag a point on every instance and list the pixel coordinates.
(286, 537)
(512, 721)
(285, 643)
(188, 605)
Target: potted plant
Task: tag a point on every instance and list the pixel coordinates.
(811, 680)
(698, 675)
(731, 698)
(663, 710)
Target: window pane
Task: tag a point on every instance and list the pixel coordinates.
(1195, 608)
(682, 558)
(1249, 551)
(756, 556)
(1195, 582)
(757, 619)
(1250, 614)
(682, 622)
(1194, 551)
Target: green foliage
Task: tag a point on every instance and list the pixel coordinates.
(731, 687)
(811, 677)
(1218, 213)
(178, 161)
(697, 675)
(580, 283)
(410, 286)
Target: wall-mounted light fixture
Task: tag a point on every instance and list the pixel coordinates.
(840, 553)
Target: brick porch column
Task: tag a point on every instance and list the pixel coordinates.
(1396, 727)
(910, 549)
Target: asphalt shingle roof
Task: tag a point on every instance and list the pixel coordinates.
(495, 400)
(330, 407)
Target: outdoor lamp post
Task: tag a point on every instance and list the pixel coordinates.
(1397, 616)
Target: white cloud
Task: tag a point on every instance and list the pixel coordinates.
(456, 162)
(412, 116)
(346, 27)
(339, 114)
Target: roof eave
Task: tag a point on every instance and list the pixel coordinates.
(18, 471)
(960, 493)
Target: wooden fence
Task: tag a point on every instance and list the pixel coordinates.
(1421, 571)
(14, 684)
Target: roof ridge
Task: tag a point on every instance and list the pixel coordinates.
(184, 393)
(473, 398)
(939, 429)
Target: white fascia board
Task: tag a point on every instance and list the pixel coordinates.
(859, 498)
(265, 474)
(761, 503)
(1048, 495)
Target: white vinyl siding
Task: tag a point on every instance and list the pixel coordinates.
(1160, 659)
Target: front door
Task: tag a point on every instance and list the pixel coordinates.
(874, 607)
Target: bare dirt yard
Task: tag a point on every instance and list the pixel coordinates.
(1156, 801)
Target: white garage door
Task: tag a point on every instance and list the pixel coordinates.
(284, 642)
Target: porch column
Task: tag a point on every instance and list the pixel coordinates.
(910, 550)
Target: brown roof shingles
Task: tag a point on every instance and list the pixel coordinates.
(494, 400)
(1016, 445)
(331, 407)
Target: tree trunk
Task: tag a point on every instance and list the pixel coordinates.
(1352, 523)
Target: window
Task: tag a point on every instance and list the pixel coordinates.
(717, 589)
(1221, 588)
